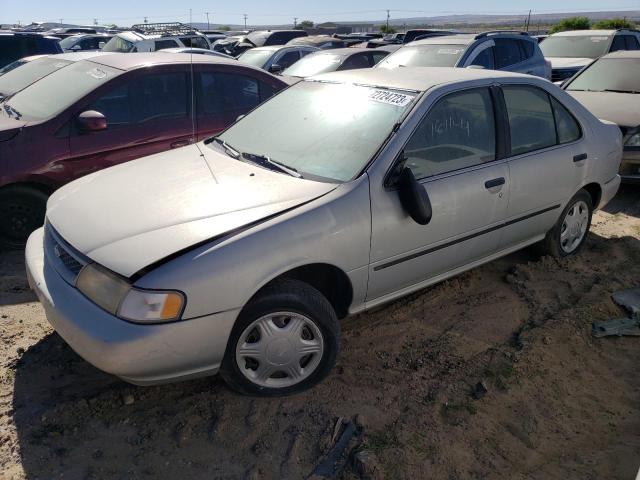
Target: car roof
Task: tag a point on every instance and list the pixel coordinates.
(345, 52)
(130, 61)
(634, 54)
(274, 48)
(417, 79)
(583, 33)
(77, 56)
(134, 36)
(453, 39)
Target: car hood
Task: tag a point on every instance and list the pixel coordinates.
(133, 215)
(564, 62)
(9, 127)
(620, 108)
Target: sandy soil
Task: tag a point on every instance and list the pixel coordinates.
(559, 404)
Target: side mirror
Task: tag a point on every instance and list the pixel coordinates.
(275, 68)
(101, 45)
(414, 197)
(240, 117)
(91, 121)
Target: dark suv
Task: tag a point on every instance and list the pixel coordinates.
(16, 45)
(96, 113)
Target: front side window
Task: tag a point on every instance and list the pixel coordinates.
(531, 120)
(575, 46)
(256, 57)
(458, 132)
(222, 93)
(288, 59)
(138, 102)
(360, 60)
(433, 55)
(507, 52)
(324, 130)
(162, 44)
(118, 45)
(618, 43)
(485, 59)
(195, 42)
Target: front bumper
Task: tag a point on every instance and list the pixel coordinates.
(139, 354)
(630, 166)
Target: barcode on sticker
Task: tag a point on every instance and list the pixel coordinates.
(391, 98)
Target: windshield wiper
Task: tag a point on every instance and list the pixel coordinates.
(10, 110)
(267, 162)
(620, 91)
(232, 152)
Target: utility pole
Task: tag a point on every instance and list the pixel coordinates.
(528, 20)
(145, 20)
(295, 22)
(208, 27)
(95, 21)
(388, 20)
(245, 20)
(60, 21)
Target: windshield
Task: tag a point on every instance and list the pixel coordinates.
(258, 38)
(582, 46)
(619, 74)
(314, 64)
(30, 72)
(325, 131)
(257, 58)
(118, 44)
(57, 91)
(68, 42)
(424, 56)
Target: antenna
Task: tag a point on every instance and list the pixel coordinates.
(193, 94)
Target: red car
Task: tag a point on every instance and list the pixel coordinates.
(96, 113)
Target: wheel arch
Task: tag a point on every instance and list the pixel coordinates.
(595, 192)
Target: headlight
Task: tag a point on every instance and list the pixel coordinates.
(633, 141)
(116, 296)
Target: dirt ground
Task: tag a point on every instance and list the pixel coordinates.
(559, 404)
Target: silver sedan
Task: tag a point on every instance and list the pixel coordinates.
(241, 254)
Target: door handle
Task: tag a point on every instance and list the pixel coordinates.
(496, 182)
(180, 143)
(579, 158)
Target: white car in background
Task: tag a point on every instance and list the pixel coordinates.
(150, 37)
(569, 52)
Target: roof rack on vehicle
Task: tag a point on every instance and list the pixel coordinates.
(627, 30)
(493, 32)
(163, 28)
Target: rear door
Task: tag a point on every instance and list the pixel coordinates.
(147, 112)
(546, 161)
(508, 55)
(454, 154)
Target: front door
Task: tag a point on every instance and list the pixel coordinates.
(146, 114)
(453, 155)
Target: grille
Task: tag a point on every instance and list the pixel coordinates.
(560, 74)
(63, 257)
(67, 260)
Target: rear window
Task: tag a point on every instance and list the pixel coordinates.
(507, 52)
(433, 55)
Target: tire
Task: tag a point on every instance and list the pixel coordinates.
(557, 243)
(295, 317)
(22, 210)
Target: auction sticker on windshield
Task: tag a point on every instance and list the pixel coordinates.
(391, 98)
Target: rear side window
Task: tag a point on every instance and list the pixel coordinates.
(222, 93)
(507, 52)
(528, 48)
(531, 120)
(195, 42)
(377, 56)
(618, 43)
(10, 49)
(360, 60)
(458, 132)
(631, 42)
(162, 44)
(567, 126)
(288, 59)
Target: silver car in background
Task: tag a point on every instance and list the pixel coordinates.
(241, 254)
(495, 50)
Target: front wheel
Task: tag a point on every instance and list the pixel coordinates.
(285, 341)
(570, 232)
(22, 210)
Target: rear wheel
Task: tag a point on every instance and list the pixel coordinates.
(22, 210)
(285, 341)
(570, 232)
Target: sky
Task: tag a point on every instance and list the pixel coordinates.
(260, 12)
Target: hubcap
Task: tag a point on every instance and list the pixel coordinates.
(574, 226)
(279, 350)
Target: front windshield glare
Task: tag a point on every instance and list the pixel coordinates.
(424, 56)
(314, 64)
(118, 45)
(26, 74)
(619, 74)
(51, 95)
(579, 46)
(257, 58)
(326, 131)
(67, 43)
